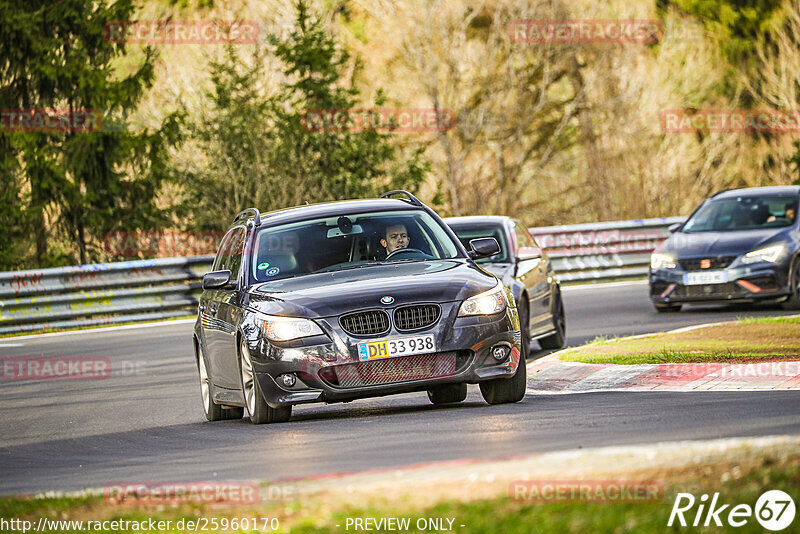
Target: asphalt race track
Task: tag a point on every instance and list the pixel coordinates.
(145, 422)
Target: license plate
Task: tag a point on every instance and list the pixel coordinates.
(396, 346)
(710, 277)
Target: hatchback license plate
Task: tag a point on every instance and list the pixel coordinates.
(710, 277)
(396, 346)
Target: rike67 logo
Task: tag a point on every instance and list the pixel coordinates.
(774, 510)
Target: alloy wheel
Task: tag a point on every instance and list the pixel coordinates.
(205, 387)
(248, 387)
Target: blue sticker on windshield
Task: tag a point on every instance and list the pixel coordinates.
(273, 271)
(262, 266)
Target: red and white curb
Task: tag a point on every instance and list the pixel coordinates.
(549, 375)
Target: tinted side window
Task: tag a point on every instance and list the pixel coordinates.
(236, 248)
(222, 253)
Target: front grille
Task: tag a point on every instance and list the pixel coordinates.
(393, 370)
(694, 264)
(366, 323)
(416, 317)
(710, 290)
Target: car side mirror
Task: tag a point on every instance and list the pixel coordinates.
(674, 227)
(216, 279)
(483, 248)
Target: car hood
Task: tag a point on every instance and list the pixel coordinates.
(502, 271)
(692, 245)
(334, 293)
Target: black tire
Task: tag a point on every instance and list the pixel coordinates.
(524, 326)
(212, 410)
(667, 308)
(448, 394)
(505, 390)
(258, 411)
(793, 302)
(556, 339)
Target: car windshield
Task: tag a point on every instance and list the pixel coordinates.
(743, 213)
(349, 242)
(468, 232)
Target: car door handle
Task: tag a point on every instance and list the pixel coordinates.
(201, 308)
(213, 310)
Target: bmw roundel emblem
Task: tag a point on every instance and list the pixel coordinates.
(387, 299)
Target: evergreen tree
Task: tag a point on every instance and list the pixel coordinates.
(259, 150)
(75, 183)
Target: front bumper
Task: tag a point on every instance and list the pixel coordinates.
(746, 283)
(327, 368)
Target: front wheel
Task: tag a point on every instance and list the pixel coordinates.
(256, 408)
(793, 302)
(525, 327)
(556, 339)
(505, 390)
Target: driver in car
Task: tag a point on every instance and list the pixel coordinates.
(395, 238)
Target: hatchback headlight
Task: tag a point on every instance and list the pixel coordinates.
(769, 254)
(486, 303)
(662, 261)
(286, 328)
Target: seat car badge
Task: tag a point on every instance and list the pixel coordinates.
(387, 299)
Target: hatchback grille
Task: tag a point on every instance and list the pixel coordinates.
(365, 323)
(710, 290)
(696, 264)
(392, 370)
(415, 317)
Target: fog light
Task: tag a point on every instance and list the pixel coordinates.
(500, 352)
(288, 380)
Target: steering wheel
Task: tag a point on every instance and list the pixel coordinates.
(401, 251)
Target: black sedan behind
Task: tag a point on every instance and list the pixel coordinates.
(524, 267)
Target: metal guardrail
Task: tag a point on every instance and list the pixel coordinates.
(108, 293)
(600, 252)
(101, 293)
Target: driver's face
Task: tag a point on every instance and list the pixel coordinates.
(396, 237)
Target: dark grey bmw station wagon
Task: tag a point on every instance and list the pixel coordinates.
(345, 300)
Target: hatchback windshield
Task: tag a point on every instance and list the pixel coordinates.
(348, 242)
(743, 213)
(468, 232)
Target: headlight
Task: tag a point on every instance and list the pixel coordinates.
(286, 328)
(662, 261)
(486, 303)
(770, 254)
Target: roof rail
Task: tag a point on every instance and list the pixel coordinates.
(720, 192)
(409, 197)
(244, 214)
